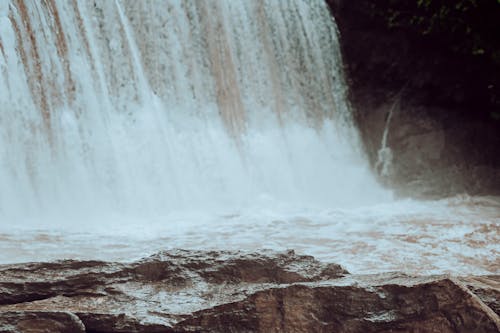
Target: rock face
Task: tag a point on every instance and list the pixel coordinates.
(441, 135)
(195, 291)
(40, 322)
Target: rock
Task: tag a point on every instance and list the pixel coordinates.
(391, 67)
(436, 306)
(39, 322)
(487, 288)
(33, 281)
(198, 291)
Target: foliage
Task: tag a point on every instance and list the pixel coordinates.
(464, 28)
(471, 26)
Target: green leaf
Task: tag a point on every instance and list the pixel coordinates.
(478, 51)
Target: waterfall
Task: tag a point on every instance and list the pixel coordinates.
(147, 107)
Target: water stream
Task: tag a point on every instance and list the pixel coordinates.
(132, 126)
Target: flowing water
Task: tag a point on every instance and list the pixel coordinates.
(128, 126)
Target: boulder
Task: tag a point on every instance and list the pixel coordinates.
(232, 291)
(40, 322)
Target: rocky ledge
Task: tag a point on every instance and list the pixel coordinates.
(196, 291)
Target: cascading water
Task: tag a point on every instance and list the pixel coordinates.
(145, 107)
(132, 126)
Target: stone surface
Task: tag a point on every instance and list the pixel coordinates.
(196, 291)
(442, 139)
(39, 322)
(487, 288)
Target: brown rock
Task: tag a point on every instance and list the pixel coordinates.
(196, 291)
(442, 136)
(487, 288)
(40, 322)
(435, 306)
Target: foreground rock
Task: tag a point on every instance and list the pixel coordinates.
(194, 291)
(40, 322)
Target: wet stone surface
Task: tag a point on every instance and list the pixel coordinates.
(234, 291)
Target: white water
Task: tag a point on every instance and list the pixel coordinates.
(131, 126)
(145, 108)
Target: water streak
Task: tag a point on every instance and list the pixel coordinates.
(142, 108)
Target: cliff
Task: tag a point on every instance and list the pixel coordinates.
(443, 93)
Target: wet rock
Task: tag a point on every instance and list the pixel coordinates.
(487, 288)
(40, 322)
(442, 136)
(437, 306)
(34, 281)
(199, 291)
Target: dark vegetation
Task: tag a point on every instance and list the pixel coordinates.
(468, 30)
(457, 42)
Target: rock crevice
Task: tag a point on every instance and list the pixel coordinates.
(198, 291)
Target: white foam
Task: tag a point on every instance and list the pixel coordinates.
(174, 111)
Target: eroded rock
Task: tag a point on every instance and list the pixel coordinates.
(40, 322)
(437, 306)
(197, 291)
(487, 288)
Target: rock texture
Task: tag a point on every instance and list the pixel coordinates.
(441, 135)
(40, 322)
(195, 291)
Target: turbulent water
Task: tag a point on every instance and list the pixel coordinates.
(149, 107)
(129, 126)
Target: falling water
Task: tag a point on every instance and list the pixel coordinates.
(145, 107)
(130, 126)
